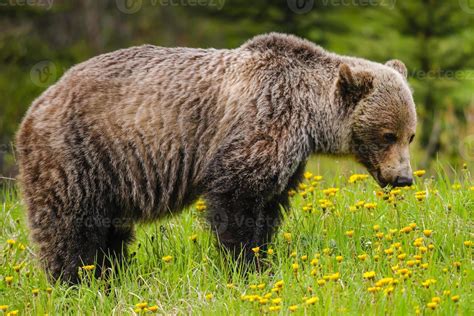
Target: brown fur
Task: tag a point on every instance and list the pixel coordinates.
(138, 133)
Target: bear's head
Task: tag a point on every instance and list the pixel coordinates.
(382, 119)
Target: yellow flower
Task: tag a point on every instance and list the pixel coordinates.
(88, 267)
(379, 235)
(276, 300)
(308, 175)
(9, 279)
(321, 282)
(362, 257)
(293, 308)
(193, 237)
(432, 305)
(256, 249)
(456, 186)
(209, 296)
(402, 256)
(287, 237)
(12, 313)
(318, 178)
(230, 286)
(3, 307)
(11, 241)
(436, 299)
(406, 230)
(357, 177)
(200, 205)
(419, 173)
(21, 246)
(270, 251)
(468, 243)
(295, 267)
(35, 291)
(373, 289)
(455, 298)
(153, 308)
(339, 258)
(376, 227)
(350, 233)
(167, 258)
(427, 232)
(141, 305)
(370, 206)
(274, 308)
(446, 292)
(263, 301)
(313, 272)
(369, 275)
(261, 286)
(279, 284)
(312, 300)
(334, 276)
(331, 191)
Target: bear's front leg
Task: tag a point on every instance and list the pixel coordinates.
(242, 224)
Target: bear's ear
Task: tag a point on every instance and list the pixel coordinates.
(398, 66)
(353, 86)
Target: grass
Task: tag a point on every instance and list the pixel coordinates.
(395, 253)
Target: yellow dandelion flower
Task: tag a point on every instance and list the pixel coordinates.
(379, 235)
(261, 286)
(12, 313)
(263, 301)
(424, 266)
(293, 308)
(313, 272)
(446, 292)
(35, 292)
(369, 275)
(193, 237)
(419, 173)
(256, 249)
(370, 206)
(376, 227)
(432, 305)
(9, 279)
(318, 178)
(436, 299)
(339, 258)
(468, 243)
(270, 251)
(455, 298)
(88, 267)
(209, 296)
(153, 308)
(362, 257)
(141, 305)
(274, 308)
(427, 232)
(331, 191)
(334, 276)
(3, 307)
(456, 186)
(277, 300)
(350, 233)
(312, 300)
(295, 267)
(308, 175)
(376, 258)
(11, 241)
(411, 263)
(457, 264)
(321, 282)
(373, 289)
(279, 284)
(287, 237)
(167, 258)
(21, 246)
(402, 256)
(230, 285)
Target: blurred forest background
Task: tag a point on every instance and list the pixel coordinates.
(40, 39)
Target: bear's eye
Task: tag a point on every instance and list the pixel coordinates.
(390, 138)
(412, 137)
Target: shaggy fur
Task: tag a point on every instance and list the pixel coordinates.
(141, 132)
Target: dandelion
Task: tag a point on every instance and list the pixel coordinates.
(295, 267)
(153, 308)
(321, 282)
(432, 305)
(274, 308)
(8, 280)
(334, 276)
(436, 299)
(304, 258)
(339, 259)
(279, 284)
(11, 242)
(419, 173)
(3, 308)
(427, 232)
(141, 305)
(276, 300)
(293, 308)
(35, 292)
(373, 289)
(287, 237)
(402, 256)
(362, 257)
(270, 251)
(406, 230)
(369, 275)
(256, 250)
(261, 286)
(308, 175)
(457, 264)
(350, 233)
(455, 298)
(193, 238)
(21, 246)
(376, 227)
(209, 296)
(12, 313)
(357, 177)
(230, 286)
(456, 186)
(379, 235)
(201, 205)
(446, 292)
(330, 191)
(370, 206)
(167, 258)
(88, 267)
(312, 300)
(468, 243)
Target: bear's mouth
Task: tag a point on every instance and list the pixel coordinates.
(376, 174)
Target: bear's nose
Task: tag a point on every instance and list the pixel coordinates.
(403, 182)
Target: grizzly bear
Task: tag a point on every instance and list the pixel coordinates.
(133, 135)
